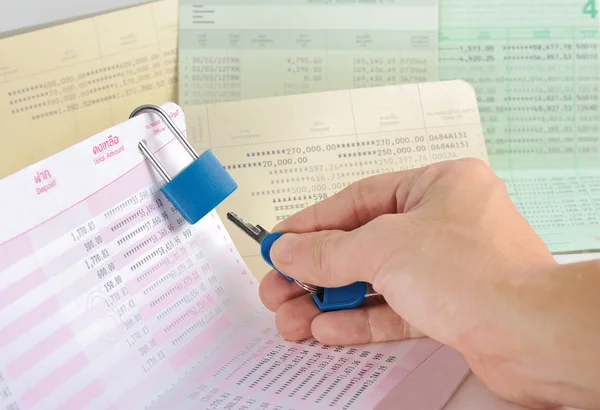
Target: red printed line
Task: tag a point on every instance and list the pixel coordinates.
(39, 351)
(21, 287)
(64, 261)
(54, 341)
(428, 386)
(24, 323)
(103, 203)
(127, 366)
(156, 381)
(48, 308)
(62, 224)
(201, 341)
(13, 251)
(419, 354)
(38, 277)
(130, 183)
(84, 396)
(54, 380)
(185, 319)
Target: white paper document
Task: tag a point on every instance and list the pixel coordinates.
(110, 300)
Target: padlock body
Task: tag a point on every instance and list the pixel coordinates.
(200, 187)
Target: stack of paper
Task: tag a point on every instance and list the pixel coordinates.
(64, 337)
(109, 299)
(535, 68)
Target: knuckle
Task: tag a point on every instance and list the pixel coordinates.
(469, 167)
(478, 173)
(468, 171)
(477, 168)
(386, 220)
(322, 254)
(362, 193)
(384, 227)
(473, 163)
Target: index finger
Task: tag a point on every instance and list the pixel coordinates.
(356, 204)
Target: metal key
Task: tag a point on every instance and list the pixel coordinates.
(327, 299)
(265, 239)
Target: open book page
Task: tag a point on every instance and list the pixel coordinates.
(536, 70)
(290, 152)
(108, 298)
(245, 49)
(62, 84)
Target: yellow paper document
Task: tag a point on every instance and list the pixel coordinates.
(287, 153)
(61, 84)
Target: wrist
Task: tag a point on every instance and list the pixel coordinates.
(562, 302)
(547, 319)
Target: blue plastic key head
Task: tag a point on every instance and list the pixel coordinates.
(198, 188)
(342, 298)
(327, 299)
(265, 251)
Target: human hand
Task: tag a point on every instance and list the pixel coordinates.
(448, 251)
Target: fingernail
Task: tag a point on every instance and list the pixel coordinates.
(282, 248)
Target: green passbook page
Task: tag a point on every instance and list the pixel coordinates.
(536, 70)
(233, 50)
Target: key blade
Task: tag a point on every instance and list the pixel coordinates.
(255, 232)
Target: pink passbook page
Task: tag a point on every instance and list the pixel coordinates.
(110, 300)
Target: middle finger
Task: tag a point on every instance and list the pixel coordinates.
(274, 290)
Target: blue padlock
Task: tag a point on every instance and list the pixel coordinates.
(198, 188)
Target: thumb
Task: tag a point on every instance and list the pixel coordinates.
(331, 258)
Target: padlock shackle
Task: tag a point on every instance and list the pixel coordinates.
(167, 120)
(154, 161)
